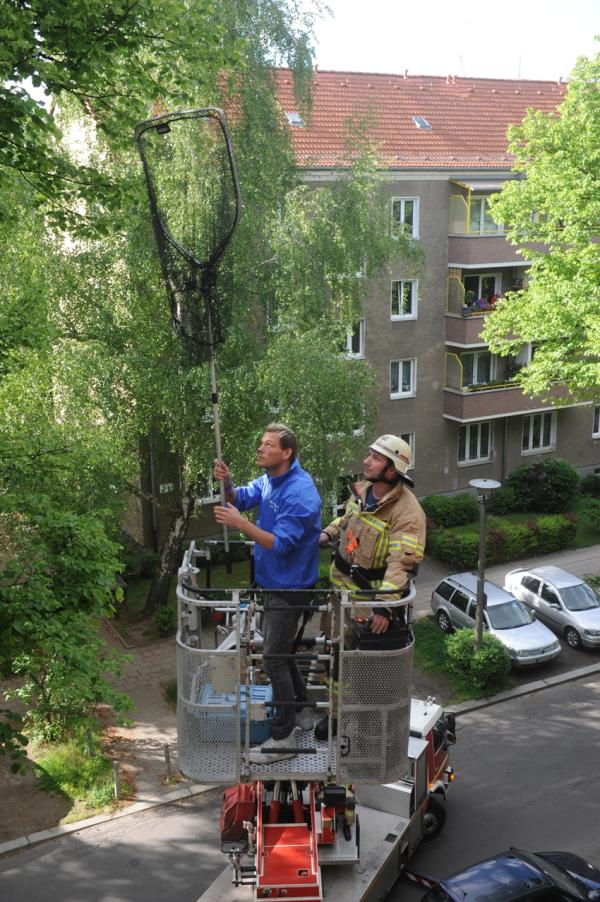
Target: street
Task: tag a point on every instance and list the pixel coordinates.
(527, 774)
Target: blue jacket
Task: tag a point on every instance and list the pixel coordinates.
(289, 506)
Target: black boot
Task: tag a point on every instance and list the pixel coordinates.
(321, 729)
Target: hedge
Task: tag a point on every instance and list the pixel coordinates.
(505, 542)
(451, 510)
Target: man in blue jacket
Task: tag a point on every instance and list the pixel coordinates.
(286, 536)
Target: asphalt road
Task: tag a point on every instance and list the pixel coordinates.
(527, 774)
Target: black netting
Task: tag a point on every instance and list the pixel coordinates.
(194, 199)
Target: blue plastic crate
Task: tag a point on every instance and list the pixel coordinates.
(259, 729)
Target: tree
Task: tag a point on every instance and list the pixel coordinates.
(113, 60)
(554, 211)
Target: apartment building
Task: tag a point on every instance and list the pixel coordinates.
(443, 147)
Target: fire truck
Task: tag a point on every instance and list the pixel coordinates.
(342, 817)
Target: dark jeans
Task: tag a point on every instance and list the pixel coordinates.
(280, 625)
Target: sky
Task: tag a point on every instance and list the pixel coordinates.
(533, 39)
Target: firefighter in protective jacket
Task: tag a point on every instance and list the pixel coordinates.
(380, 538)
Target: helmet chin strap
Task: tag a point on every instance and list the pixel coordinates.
(381, 477)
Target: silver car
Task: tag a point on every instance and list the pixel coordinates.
(527, 641)
(563, 601)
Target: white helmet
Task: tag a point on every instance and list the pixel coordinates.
(398, 451)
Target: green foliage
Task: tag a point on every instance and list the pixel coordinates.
(459, 551)
(13, 740)
(165, 620)
(451, 510)
(590, 485)
(558, 154)
(503, 541)
(554, 533)
(551, 486)
(66, 768)
(590, 512)
(484, 671)
(503, 501)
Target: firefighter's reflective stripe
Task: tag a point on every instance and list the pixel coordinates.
(406, 542)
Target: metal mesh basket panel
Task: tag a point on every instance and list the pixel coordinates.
(208, 734)
(374, 715)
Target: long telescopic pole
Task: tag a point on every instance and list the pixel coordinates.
(217, 423)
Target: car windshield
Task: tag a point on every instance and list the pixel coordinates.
(508, 616)
(579, 598)
(560, 878)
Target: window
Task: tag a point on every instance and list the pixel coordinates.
(295, 119)
(549, 595)
(355, 342)
(409, 438)
(539, 433)
(460, 601)
(403, 378)
(531, 583)
(596, 426)
(405, 215)
(477, 367)
(474, 443)
(480, 221)
(445, 590)
(403, 304)
(485, 286)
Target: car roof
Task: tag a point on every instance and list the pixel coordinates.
(506, 876)
(495, 594)
(555, 575)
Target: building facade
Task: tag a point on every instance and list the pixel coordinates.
(443, 147)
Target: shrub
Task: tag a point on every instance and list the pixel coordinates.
(550, 486)
(590, 512)
(518, 540)
(446, 510)
(165, 619)
(482, 672)
(590, 485)
(459, 551)
(503, 501)
(554, 533)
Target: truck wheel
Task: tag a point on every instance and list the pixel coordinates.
(434, 818)
(572, 637)
(444, 622)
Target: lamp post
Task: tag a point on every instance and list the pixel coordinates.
(484, 488)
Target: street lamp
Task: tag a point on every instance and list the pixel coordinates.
(484, 488)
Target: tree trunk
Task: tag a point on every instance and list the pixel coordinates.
(170, 556)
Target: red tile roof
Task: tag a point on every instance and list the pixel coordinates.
(468, 117)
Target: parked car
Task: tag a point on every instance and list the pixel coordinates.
(563, 601)
(526, 876)
(527, 641)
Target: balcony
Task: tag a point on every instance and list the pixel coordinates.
(474, 238)
(464, 324)
(465, 403)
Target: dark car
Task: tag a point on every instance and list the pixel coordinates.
(521, 875)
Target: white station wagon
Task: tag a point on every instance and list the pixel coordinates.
(563, 601)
